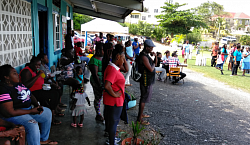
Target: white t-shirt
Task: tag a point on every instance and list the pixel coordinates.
(219, 60)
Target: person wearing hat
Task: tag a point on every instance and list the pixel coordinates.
(174, 62)
(147, 70)
(136, 46)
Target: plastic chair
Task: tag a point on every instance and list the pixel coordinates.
(175, 72)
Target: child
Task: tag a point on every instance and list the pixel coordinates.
(219, 65)
(79, 75)
(78, 105)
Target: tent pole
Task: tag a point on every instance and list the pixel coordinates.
(86, 39)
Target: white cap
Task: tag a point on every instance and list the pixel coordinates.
(135, 37)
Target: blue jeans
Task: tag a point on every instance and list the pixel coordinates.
(84, 58)
(112, 116)
(30, 123)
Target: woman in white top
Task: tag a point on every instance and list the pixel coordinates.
(246, 61)
(219, 65)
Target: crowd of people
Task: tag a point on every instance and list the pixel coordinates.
(237, 56)
(29, 107)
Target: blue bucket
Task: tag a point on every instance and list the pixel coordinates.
(131, 103)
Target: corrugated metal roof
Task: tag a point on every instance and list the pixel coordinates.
(115, 10)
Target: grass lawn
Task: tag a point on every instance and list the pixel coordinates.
(238, 82)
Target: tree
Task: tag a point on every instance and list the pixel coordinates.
(179, 21)
(79, 19)
(245, 40)
(209, 9)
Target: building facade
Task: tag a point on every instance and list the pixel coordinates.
(148, 16)
(28, 27)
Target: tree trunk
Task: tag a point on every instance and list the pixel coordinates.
(172, 35)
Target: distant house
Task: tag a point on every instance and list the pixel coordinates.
(148, 16)
(237, 21)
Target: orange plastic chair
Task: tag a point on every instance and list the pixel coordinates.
(175, 72)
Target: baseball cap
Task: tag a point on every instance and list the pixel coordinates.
(135, 37)
(149, 43)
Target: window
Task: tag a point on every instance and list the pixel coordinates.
(155, 10)
(135, 16)
(68, 11)
(247, 22)
(143, 17)
(56, 30)
(149, 16)
(240, 21)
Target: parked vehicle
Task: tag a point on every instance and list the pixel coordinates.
(78, 39)
(92, 36)
(229, 38)
(124, 37)
(224, 41)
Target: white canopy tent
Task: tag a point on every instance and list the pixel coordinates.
(102, 25)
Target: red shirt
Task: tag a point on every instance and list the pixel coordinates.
(113, 75)
(215, 51)
(38, 85)
(78, 50)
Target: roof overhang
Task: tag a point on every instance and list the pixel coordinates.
(115, 10)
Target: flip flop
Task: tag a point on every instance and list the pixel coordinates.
(145, 116)
(80, 125)
(56, 122)
(62, 105)
(144, 122)
(48, 142)
(73, 125)
(60, 115)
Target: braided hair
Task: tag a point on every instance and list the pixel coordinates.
(118, 50)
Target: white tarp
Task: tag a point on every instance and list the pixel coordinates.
(102, 25)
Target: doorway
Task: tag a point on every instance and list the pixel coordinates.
(43, 29)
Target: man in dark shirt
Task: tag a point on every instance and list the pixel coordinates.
(147, 69)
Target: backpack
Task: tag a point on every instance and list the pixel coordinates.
(136, 75)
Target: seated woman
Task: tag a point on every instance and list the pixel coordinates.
(9, 130)
(113, 95)
(158, 68)
(67, 67)
(32, 79)
(15, 107)
(48, 79)
(78, 51)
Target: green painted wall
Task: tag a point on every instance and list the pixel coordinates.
(34, 18)
(53, 56)
(42, 2)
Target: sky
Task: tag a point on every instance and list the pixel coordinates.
(229, 5)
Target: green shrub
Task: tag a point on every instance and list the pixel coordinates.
(194, 37)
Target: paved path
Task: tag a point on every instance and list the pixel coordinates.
(201, 111)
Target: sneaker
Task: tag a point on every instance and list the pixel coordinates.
(117, 140)
(231, 75)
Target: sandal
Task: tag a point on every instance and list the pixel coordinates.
(99, 118)
(56, 122)
(60, 115)
(145, 116)
(80, 125)
(48, 142)
(62, 105)
(144, 122)
(73, 125)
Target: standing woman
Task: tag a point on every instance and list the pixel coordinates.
(113, 95)
(129, 53)
(96, 79)
(237, 59)
(246, 61)
(224, 54)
